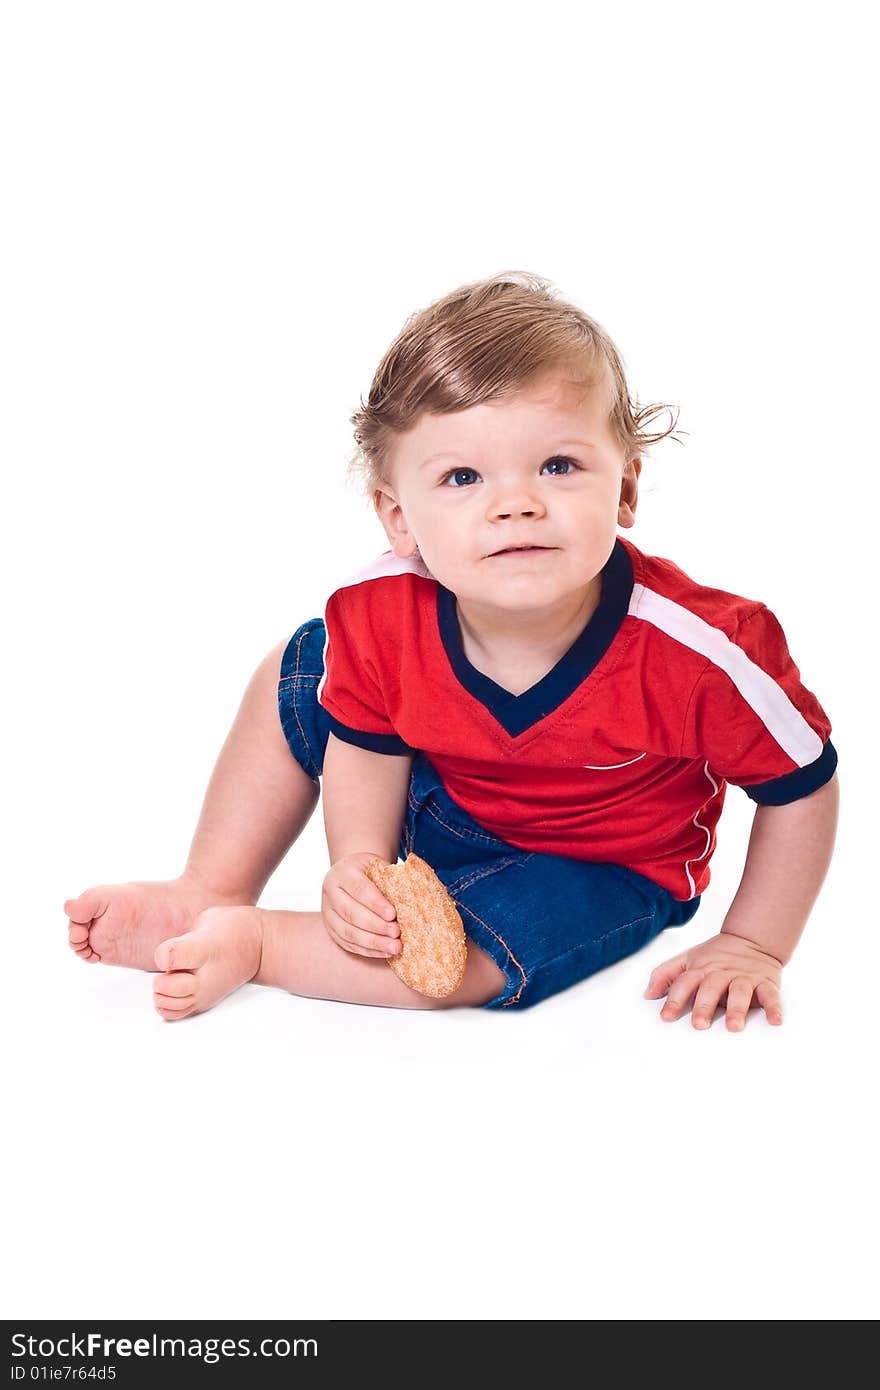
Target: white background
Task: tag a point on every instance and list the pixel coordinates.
(216, 218)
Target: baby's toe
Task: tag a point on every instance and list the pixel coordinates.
(174, 996)
(78, 940)
(181, 984)
(181, 953)
(171, 1009)
(86, 907)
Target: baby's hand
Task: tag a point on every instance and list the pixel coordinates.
(725, 965)
(359, 918)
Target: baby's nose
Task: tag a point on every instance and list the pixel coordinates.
(504, 514)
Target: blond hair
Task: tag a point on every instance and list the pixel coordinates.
(482, 342)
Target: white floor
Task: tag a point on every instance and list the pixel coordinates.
(289, 1157)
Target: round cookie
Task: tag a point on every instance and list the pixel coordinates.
(433, 945)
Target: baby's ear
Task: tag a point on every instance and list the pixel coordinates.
(629, 492)
(390, 513)
(385, 504)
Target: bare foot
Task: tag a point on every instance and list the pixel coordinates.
(221, 953)
(123, 923)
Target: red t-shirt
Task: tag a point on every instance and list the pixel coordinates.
(622, 752)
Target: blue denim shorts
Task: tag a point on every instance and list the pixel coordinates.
(546, 920)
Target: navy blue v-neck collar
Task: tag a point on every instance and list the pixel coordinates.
(517, 713)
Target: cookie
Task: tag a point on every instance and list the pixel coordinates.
(433, 946)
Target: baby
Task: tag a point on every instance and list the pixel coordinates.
(544, 713)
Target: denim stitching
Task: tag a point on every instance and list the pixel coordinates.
(482, 872)
(471, 835)
(294, 680)
(513, 998)
(295, 706)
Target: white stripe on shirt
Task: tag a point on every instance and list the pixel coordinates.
(759, 690)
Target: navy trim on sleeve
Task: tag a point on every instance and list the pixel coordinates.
(376, 743)
(794, 785)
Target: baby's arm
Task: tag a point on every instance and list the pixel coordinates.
(788, 857)
(364, 799)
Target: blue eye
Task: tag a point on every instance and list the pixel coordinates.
(455, 474)
(557, 458)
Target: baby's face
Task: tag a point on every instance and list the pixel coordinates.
(539, 469)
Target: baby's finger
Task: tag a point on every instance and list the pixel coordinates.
(377, 906)
(353, 910)
(679, 996)
(339, 930)
(356, 884)
(770, 999)
(340, 895)
(663, 975)
(354, 939)
(376, 901)
(739, 1000)
(351, 949)
(708, 996)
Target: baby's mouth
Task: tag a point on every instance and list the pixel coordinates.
(522, 550)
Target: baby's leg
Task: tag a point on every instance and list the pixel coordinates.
(293, 951)
(257, 802)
